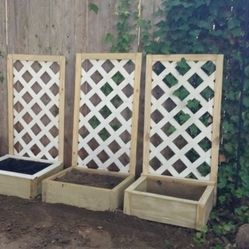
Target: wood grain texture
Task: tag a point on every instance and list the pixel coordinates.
(54, 27)
(3, 81)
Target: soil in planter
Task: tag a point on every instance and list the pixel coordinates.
(22, 166)
(174, 189)
(94, 180)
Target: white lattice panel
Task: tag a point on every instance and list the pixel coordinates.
(36, 87)
(181, 117)
(106, 113)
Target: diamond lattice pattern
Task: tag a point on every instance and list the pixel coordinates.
(36, 109)
(181, 118)
(106, 99)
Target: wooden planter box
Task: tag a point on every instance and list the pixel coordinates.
(35, 123)
(92, 198)
(25, 185)
(171, 201)
(105, 131)
(181, 141)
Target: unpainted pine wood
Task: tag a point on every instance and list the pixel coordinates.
(135, 113)
(147, 107)
(216, 118)
(92, 198)
(15, 186)
(76, 109)
(10, 105)
(3, 81)
(164, 210)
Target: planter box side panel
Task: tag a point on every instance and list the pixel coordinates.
(15, 186)
(162, 210)
(37, 183)
(118, 193)
(205, 210)
(76, 195)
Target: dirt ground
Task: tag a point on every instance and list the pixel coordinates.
(28, 224)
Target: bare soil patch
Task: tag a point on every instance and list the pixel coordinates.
(26, 224)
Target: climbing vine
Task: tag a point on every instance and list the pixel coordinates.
(125, 27)
(207, 26)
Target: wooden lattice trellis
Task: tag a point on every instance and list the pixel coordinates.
(36, 106)
(106, 110)
(181, 141)
(182, 116)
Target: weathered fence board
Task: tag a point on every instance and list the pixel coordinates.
(58, 28)
(3, 86)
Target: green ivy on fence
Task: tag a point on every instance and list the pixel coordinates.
(208, 26)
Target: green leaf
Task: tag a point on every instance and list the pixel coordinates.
(109, 38)
(246, 70)
(93, 7)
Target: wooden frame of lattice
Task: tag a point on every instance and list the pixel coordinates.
(107, 89)
(35, 119)
(181, 140)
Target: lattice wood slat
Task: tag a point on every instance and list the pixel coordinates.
(106, 109)
(182, 119)
(36, 106)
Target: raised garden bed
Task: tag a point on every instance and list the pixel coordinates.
(177, 202)
(104, 136)
(181, 141)
(22, 177)
(36, 123)
(64, 188)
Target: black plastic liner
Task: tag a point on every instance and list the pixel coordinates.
(22, 166)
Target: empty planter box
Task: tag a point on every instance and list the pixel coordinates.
(36, 123)
(181, 141)
(105, 133)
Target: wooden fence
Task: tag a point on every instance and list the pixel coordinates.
(57, 27)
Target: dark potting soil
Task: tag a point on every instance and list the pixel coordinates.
(94, 180)
(22, 166)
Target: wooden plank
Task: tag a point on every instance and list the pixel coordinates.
(216, 118)
(56, 29)
(3, 80)
(190, 57)
(98, 25)
(10, 105)
(18, 28)
(147, 107)
(81, 10)
(117, 197)
(62, 64)
(39, 27)
(33, 57)
(76, 109)
(163, 210)
(69, 52)
(204, 207)
(135, 113)
(15, 186)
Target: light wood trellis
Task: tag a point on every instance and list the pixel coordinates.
(36, 106)
(106, 111)
(105, 131)
(182, 116)
(181, 141)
